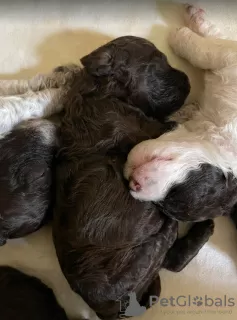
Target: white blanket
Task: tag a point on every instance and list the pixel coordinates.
(37, 37)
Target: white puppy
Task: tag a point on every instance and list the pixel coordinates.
(207, 134)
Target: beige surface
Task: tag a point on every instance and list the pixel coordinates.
(36, 38)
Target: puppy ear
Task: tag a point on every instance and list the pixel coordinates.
(99, 62)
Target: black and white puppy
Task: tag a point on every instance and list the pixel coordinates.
(191, 172)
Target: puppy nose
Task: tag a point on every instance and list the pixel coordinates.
(134, 185)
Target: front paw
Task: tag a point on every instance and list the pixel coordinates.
(65, 68)
(204, 229)
(60, 69)
(194, 17)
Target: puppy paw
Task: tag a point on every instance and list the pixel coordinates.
(203, 230)
(194, 17)
(65, 68)
(208, 227)
(60, 69)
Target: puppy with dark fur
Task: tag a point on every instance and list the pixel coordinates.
(26, 156)
(109, 244)
(26, 298)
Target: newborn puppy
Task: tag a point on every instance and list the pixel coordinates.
(109, 244)
(192, 170)
(26, 156)
(24, 297)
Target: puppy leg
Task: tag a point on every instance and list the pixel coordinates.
(204, 53)
(12, 87)
(58, 78)
(195, 19)
(186, 248)
(168, 234)
(15, 109)
(147, 259)
(153, 290)
(66, 68)
(37, 83)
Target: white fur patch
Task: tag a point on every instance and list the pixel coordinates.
(207, 135)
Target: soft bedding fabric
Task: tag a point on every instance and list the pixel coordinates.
(36, 37)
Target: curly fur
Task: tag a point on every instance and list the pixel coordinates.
(194, 166)
(97, 222)
(109, 244)
(26, 156)
(21, 100)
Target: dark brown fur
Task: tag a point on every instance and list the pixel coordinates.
(206, 193)
(25, 178)
(108, 243)
(26, 298)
